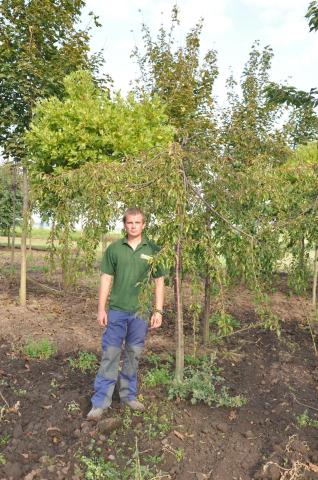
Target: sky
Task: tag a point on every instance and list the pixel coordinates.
(230, 27)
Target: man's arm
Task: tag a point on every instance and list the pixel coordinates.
(103, 293)
(156, 318)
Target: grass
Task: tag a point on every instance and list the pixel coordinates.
(40, 237)
(42, 349)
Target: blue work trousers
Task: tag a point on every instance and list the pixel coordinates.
(122, 326)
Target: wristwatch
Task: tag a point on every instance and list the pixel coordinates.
(156, 310)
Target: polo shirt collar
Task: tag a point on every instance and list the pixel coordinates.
(144, 240)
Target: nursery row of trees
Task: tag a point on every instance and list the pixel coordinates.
(230, 191)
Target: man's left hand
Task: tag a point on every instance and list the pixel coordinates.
(156, 320)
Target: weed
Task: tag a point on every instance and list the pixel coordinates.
(73, 406)
(154, 359)
(42, 349)
(4, 439)
(96, 468)
(153, 459)
(20, 392)
(304, 420)
(127, 418)
(195, 361)
(2, 459)
(224, 322)
(200, 385)
(85, 362)
(38, 268)
(179, 454)
(3, 382)
(156, 424)
(54, 383)
(157, 376)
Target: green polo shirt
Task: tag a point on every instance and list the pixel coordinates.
(129, 268)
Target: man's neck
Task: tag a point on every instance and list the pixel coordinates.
(134, 241)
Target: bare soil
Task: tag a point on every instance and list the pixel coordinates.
(43, 431)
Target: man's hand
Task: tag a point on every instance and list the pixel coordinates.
(102, 318)
(156, 320)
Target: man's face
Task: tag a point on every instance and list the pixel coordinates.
(134, 225)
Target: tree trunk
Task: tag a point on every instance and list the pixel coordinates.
(30, 241)
(24, 234)
(14, 203)
(302, 253)
(179, 316)
(314, 285)
(206, 311)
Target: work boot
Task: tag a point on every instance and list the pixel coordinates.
(135, 405)
(95, 414)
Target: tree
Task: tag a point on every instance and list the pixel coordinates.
(239, 191)
(291, 96)
(249, 122)
(184, 84)
(39, 45)
(297, 181)
(312, 16)
(10, 200)
(79, 148)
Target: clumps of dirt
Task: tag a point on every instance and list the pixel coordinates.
(43, 404)
(44, 433)
(294, 462)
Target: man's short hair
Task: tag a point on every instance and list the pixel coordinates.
(133, 211)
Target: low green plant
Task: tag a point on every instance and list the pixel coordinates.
(304, 420)
(20, 392)
(73, 406)
(194, 360)
(54, 383)
(2, 459)
(41, 349)
(179, 454)
(225, 323)
(157, 423)
(97, 468)
(4, 439)
(154, 359)
(135, 471)
(127, 418)
(85, 362)
(38, 268)
(157, 376)
(204, 384)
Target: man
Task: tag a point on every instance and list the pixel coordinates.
(125, 265)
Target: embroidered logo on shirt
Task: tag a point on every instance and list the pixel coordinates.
(146, 257)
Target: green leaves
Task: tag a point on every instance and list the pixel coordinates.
(312, 16)
(39, 45)
(89, 126)
(10, 198)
